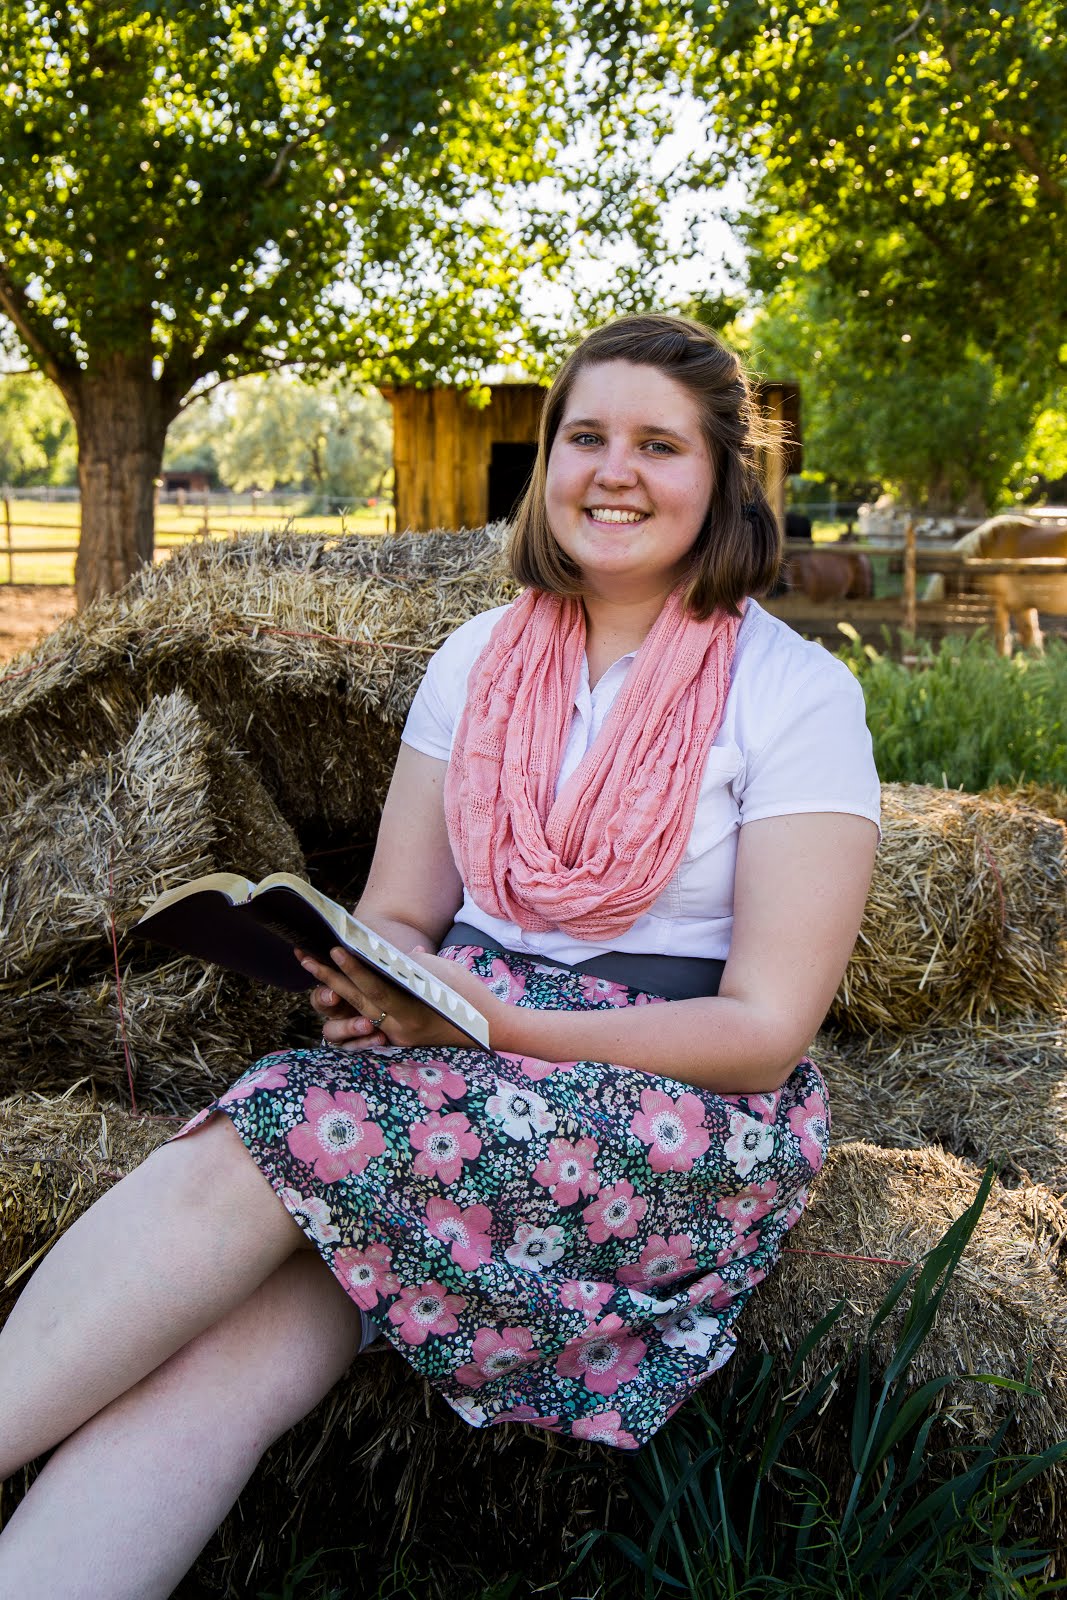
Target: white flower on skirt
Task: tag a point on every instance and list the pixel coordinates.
(315, 1213)
(469, 1410)
(520, 1112)
(688, 1330)
(751, 1141)
(535, 1248)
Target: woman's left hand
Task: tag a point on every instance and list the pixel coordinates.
(387, 1014)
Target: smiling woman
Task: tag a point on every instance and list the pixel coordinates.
(635, 818)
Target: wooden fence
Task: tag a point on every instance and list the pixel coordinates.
(204, 527)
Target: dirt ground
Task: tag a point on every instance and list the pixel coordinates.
(28, 610)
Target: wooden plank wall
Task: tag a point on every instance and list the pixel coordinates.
(442, 445)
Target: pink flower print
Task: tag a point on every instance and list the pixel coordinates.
(534, 1068)
(567, 1170)
(614, 1213)
(811, 1125)
(270, 1076)
(312, 1211)
(444, 1142)
(506, 985)
(660, 1261)
(673, 1130)
(605, 1356)
(750, 1142)
(433, 1081)
(748, 1207)
(520, 1112)
(535, 1248)
(466, 1231)
(497, 1354)
(366, 1274)
(335, 1135)
(604, 1427)
(711, 1290)
(582, 1294)
(530, 1417)
(425, 1310)
(602, 989)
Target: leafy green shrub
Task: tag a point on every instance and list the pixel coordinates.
(965, 717)
(735, 1512)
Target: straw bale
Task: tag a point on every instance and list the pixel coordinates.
(1005, 1311)
(89, 850)
(304, 652)
(988, 1093)
(190, 1031)
(966, 918)
(56, 1157)
(1047, 797)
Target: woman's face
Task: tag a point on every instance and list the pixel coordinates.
(629, 479)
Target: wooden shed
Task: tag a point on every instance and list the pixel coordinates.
(460, 465)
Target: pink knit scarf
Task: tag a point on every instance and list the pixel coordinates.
(593, 859)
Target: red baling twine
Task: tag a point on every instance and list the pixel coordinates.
(838, 1255)
(118, 980)
(998, 881)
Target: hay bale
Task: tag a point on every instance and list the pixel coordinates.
(1050, 798)
(986, 1093)
(1004, 1313)
(80, 860)
(966, 918)
(87, 852)
(180, 1033)
(302, 651)
(56, 1157)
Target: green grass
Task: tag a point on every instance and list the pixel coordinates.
(964, 717)
(56, 524)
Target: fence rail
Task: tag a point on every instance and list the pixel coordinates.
(260, 509)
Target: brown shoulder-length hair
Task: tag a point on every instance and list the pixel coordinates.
(738, 550)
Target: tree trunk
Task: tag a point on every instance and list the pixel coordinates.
(122, 420)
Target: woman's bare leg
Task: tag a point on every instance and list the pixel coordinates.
(162, 1256)
(126, 1505)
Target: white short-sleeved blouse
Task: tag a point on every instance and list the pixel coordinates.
(793, 738)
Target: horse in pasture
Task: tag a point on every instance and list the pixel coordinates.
(830, 574)
(1016, 597)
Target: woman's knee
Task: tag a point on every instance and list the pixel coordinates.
(209, 1173)
(277, 1354)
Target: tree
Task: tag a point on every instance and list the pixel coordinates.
(191, 192)
(266, 432)
(944, 429)
(915, 152)
(36, 434)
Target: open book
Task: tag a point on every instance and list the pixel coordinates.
(251, 928)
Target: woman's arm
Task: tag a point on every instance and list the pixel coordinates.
(800, 886)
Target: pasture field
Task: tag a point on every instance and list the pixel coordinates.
(43, 534)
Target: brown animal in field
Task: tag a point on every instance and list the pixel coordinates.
(1016, 597)
(830, 574)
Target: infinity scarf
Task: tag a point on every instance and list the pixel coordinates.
(593, 859)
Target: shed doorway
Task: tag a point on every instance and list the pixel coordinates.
(510, 467)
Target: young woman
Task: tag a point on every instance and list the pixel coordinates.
(637, 816)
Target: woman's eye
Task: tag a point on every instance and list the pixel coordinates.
(660, 447)
(585, 438)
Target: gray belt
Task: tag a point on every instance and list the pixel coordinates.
(673, 977)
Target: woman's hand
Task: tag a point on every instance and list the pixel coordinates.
(361, 1009)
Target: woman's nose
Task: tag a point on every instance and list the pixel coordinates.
(616, 466)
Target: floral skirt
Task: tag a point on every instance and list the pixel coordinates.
(566, 1244)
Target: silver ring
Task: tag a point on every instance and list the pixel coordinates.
(377, 1021)
(326, 1045)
